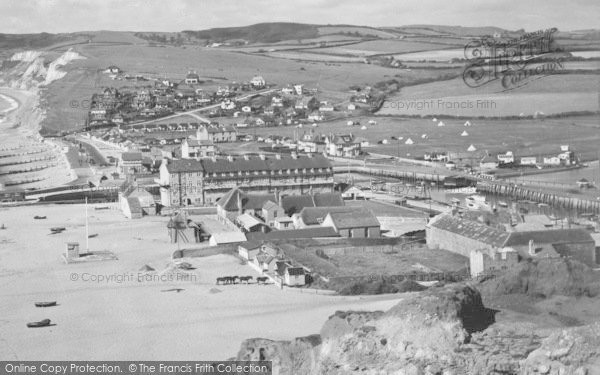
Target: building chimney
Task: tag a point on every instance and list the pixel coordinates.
(239, 202)
(262, 156)
(531, 248)
(277, 199)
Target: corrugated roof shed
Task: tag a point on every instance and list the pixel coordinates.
(248, 221)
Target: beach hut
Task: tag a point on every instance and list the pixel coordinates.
(471, 148)
(468, 123)
(464, 134)
(441, 123)
(409, 142)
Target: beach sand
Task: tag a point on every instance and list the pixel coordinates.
(20, 133)
(133, 319)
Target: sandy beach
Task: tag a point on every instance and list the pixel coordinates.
(128, 315)
(28, 161)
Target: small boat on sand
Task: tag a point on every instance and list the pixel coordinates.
(37, 217)
(45, 304)
(93, 235)
(41, 323)
(502, 204)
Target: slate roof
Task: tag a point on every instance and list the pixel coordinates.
(328, 199)
(184, 166)
(251, 245)
(295, 271)
(294, 234)
(497, 238)
(255, 163)
(295, 203)
(270, 205)
(134, 206)
(552, 236)
(471, 229)
(250, 201)
(131, 156)
(360, 218)
(316, 215)
(248, 221)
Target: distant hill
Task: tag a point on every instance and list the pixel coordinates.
(33, 41)
(259, 33)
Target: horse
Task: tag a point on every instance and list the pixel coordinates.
(261, 279)
(233, 278)
(246, 279)
(222, 280)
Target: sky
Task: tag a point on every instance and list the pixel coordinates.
(55, 16)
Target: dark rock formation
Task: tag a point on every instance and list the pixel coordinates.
(439, 331)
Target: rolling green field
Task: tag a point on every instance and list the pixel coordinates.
(375, 47)
(550, 95)
(213, 64)
(523, 137)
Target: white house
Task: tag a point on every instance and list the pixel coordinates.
(507, 158)
(528, 160)
(258, 82)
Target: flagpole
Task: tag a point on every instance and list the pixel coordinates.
(87, 236)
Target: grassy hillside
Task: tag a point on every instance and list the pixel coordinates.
(259, 33)
(32, 41)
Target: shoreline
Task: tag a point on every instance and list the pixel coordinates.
(20, 126)
(14, 103)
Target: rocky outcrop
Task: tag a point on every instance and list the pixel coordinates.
(439, 331)
(544, 278)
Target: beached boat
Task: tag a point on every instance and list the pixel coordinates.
(502, 204)
(41, 323)
(45, 304)
(477, 202)
(37, 217)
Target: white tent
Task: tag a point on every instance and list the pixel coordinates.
(464, 134)
(424, 136)
(471, 148)
(468, 123)
(400, 138)
(372, 122)
(350, 123)
(315, 125)
(434, 119)
(363, 128)
(409, 142)
(385, 141)
(441, 123)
